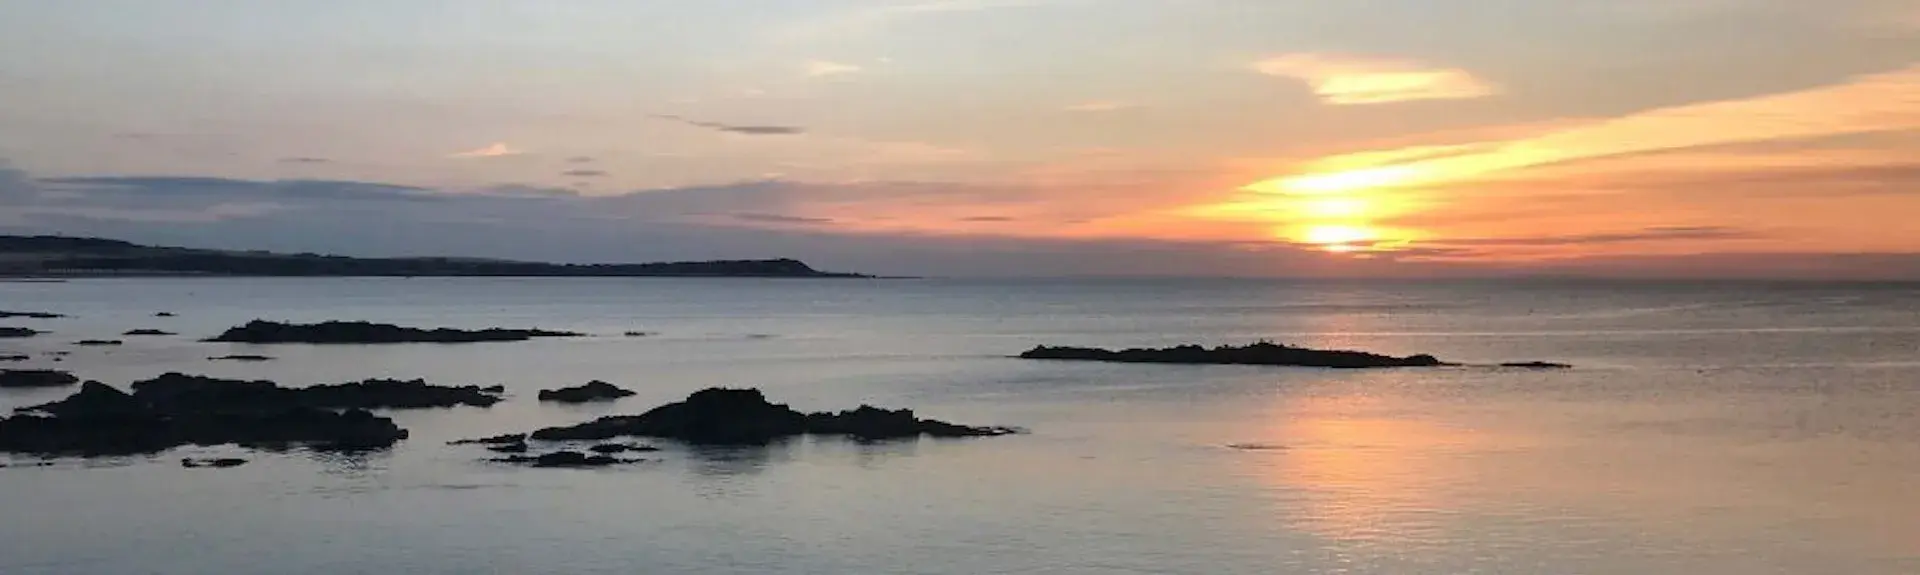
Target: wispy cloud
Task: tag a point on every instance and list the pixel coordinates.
(873, 17)
(1101, 106)
(305, 160)
(824, 68)
(580, 160)
(1342, 79)
(750, 130)
(766, 218)
(494, 150)
(585, 173)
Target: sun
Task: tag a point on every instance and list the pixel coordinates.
(1338, 238)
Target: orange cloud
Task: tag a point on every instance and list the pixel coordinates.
(1356, 80)
(495, 150)
(1101, 106)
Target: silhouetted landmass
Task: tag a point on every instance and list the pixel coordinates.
(743, 416)
(163, 314)
(176, 409)
(612, 448)
(361, 332)
(30, 315)
(29, 378)
(595, 390)
(98, 342)
(137, 332)
(565, 459)
(70, 256)
(1262, 353)
(17, 332)
(494, 440)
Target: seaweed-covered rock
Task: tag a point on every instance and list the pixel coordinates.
(144, 331)
(595, 390)
(1262, 353)
(361, 332)
(744, 416)
(25, 378)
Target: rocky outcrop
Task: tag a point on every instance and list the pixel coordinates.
(360, 332)
(180, 389)
(1536, 365)
(612, 448)
(18, 332)
(14, 357)
(1262, 353)
(595, 390)
(218, 463)
(495, 440)
(138, 332)
(100, 420)
(241, 357)
(29, 378)
(744, 416)
(568, 459)
(163, 314)
(98, 342)
(30, 315)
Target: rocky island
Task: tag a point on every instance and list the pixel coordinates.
(361, 332)
(595, 390)
(744, 416)
(32, 378)
(1262, 353)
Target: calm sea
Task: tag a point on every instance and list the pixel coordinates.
(1709, 429)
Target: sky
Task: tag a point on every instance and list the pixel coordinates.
(1281, 138)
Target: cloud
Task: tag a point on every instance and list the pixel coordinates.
(823, 68)
(875, 17)
(1652, 234)
(580, 160)
(987, 219)
(585, 173)
(1342, 79)
(1873, 103)
(1101, 106)
(779, 218)
(305, 160)
(495, 150)
(750, 130)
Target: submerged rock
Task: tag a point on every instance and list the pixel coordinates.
(222, 463)
(509, 448)
(163, 314)
(15, 357)
(240, 357)
(595, 390)
(27, 378)
(1536, 365)
(30, 315)
(18, 332)
(564, 459)
(148, 332)
(495, 388)
(360, 332)
(744, 416)
(612, 448)
(97, 342)
(1262, 353)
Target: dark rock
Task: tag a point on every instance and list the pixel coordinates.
(360, 332)
(15, 357)
(148, 332)
(97, 342)
(595, 390)
(639, 333)
(176, 388)
(59, 353)
(163, 314)
(495, 440)
(612, 448)
(743, 416)
(25, 378)
(30, 315)
(222, 463)
(1536, 365)
(241, 357)
(1262, 353)
(508, 448)
(564, 459)
(495, 389)
(18, 332)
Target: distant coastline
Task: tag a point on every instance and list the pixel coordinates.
(54, 257)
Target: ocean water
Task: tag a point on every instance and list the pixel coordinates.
(1731, 428)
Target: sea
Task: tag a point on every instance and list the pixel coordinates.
(1731, 428)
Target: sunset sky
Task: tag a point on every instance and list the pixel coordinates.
(1410, 138)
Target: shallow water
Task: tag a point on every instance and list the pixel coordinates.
(1709, 429)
